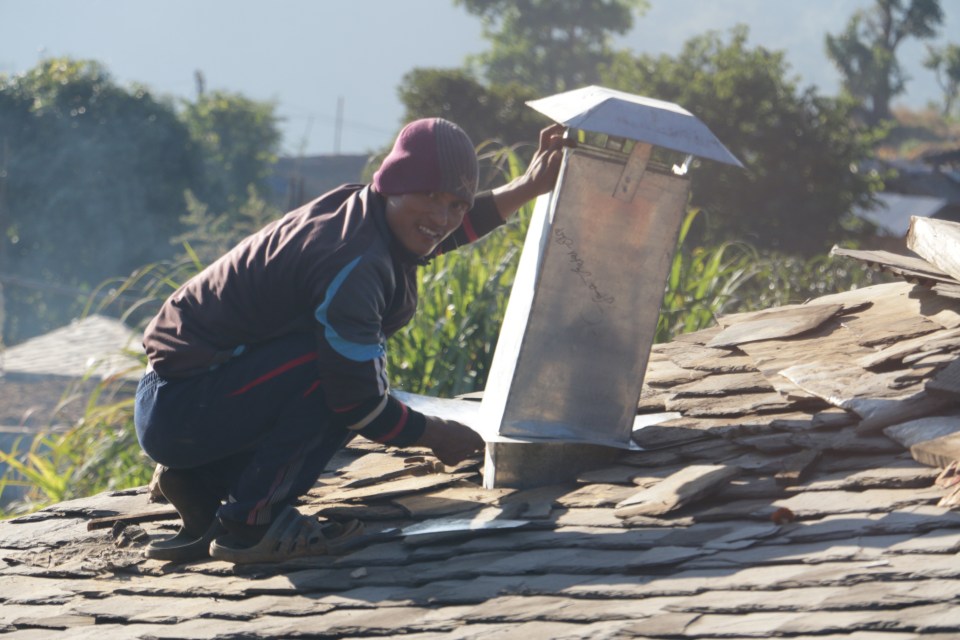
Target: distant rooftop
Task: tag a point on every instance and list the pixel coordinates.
(892, 215)
(40, 379)
(297, 180)
(94, 345)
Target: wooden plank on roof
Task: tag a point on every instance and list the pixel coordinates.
(774, 324)
(723, 385)
(400, 487)
(734, 405)
(883, 412)
(653, 437)
(939, 452)
(937, 241)
(943, 310)
(830, 341)
(698, 357)
(880, 399)
(458, 498)
(947, 290)
(947, 380)
(910, 268)
(537, 502)
(799, 422)
(916, 431)
(911, 299)
(934, 359)
(941, 340)
(798, 467)
(663, 372)
(683, 487)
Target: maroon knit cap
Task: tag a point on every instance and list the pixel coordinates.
(431, 154)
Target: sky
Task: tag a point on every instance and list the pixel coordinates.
(309, 55)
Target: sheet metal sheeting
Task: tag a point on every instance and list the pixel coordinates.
(574, 344)
(625, 115)
(583, 311)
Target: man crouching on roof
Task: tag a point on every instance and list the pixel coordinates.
(273, 357)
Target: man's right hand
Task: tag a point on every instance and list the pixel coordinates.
(450, 441)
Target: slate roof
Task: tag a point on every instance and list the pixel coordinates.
(95, 345)
(780, 495)
(45, 381)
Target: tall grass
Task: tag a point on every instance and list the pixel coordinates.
(445, 351)
(99, 452)
(702, 283)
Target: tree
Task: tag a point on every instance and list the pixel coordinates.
(238, 140)
(95, 175)
(945, 63)
(539, 47)
(486, 113)
(865, 53)
(800, 150)
(550, 45)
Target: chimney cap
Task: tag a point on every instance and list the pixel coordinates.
(626, 115)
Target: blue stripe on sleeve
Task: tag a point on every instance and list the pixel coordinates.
(350, 350)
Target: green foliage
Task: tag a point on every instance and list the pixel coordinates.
(702, 283)
(865, 52)
(786, 279)
(550, 45)
(209, 235)
(800, 149)
(706, 282)
(94, 176)
(538, 47)
(238, 138)
(945, 63)
(489, 113)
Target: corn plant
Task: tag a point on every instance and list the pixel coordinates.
(702, 283)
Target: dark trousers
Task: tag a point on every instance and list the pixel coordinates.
(257, 427)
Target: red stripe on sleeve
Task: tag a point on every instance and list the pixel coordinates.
(401, 423)
(468, 229)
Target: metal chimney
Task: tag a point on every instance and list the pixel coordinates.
(569, 365)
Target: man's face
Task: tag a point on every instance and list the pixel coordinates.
(420, 221)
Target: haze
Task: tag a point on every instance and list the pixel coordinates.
(305, 54)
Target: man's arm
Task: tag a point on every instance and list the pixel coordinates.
(450, 441)
(540, 176)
